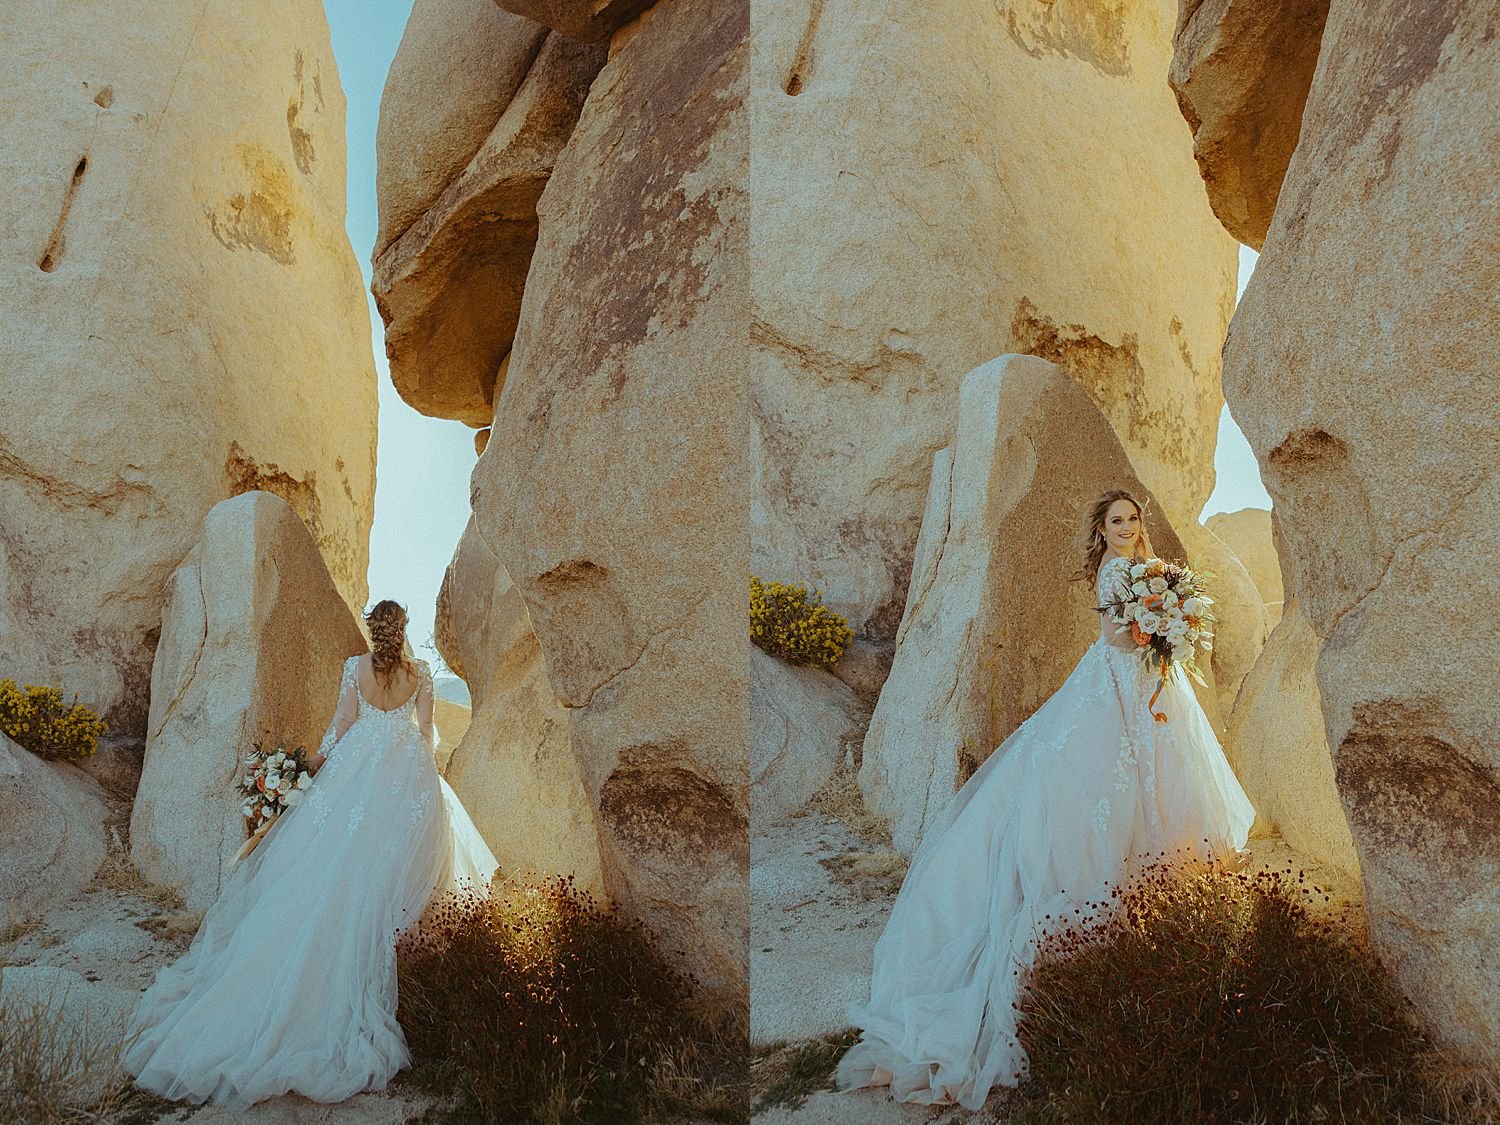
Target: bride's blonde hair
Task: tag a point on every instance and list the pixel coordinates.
(1094, 543)
(387, 622)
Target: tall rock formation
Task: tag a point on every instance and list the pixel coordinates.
(935, 185)
(577, 277)
(459, 178)
(514, 769)
(183, 318)
(1360, 363)
(254, 637)
(613, 484)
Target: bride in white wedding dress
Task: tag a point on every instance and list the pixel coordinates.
(290, 983)
(1079, 796)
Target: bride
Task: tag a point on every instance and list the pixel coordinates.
(1070, 803)
(290, 983)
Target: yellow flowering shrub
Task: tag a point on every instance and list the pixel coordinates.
(38, 719)
(789, 622)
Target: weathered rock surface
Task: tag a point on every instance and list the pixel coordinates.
(1249, 535)
(918, 212)
(1031, 446)
(1242, 625)
(448, 284)
(477, 55)
(803, 722)
(1376, 283)
(515, 768)
(632, 567)
(184, 318)
(1279, 749)
(51, 830)
(253, 640)
(1241, 70)
(585, 20)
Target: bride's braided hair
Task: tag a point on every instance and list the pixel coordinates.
(1094, 543)
(387, 622)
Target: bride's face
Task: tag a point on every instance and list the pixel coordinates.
(1122, 527)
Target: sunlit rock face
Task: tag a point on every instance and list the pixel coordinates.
(254, 636)
(1241, 70)
(1360, 366)
(1249, 534)
(612, 487)
(184, 318)
(930, 193)
(514, 768)
(476, 108)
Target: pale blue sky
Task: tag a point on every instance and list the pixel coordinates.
(422, 482)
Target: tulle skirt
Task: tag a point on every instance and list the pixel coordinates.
(1078, 796)
(290, 983)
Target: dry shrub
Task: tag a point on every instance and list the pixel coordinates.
(39, 719)
(535, 1005)
(1216, 996)
(44, 1060)
(840, 797)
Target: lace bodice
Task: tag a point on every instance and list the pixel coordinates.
(354, 708)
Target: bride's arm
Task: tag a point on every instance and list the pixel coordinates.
(424, 710)
(343, 718)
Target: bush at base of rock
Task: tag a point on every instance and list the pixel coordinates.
(38, 719)
(789, 622)
(535, 1004)
(1210, 995)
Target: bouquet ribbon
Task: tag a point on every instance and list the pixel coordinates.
(256, 837)
(1159, 716)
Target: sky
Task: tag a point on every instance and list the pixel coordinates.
(423, 464)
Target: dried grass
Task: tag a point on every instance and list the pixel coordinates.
(840, 798)
(872, 874)
(1214, 996)
(536, 1005)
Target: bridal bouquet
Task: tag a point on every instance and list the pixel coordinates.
(273, 782)
(1170, 617)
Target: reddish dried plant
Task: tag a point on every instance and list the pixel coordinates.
(533, 1003)
(1205, 995)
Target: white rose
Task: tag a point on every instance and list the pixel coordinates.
(1157, 585)
(272, 780)
(1148, 621)
(1138, 571)
(1192, 607)
(1169, 599)
(304, 779)
(291, 798)
(1140, 589)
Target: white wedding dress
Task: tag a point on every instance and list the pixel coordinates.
(290, 983)
(1082, 793)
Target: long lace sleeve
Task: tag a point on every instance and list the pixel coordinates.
(424, 708)
(347, 710)
(1114, 584)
